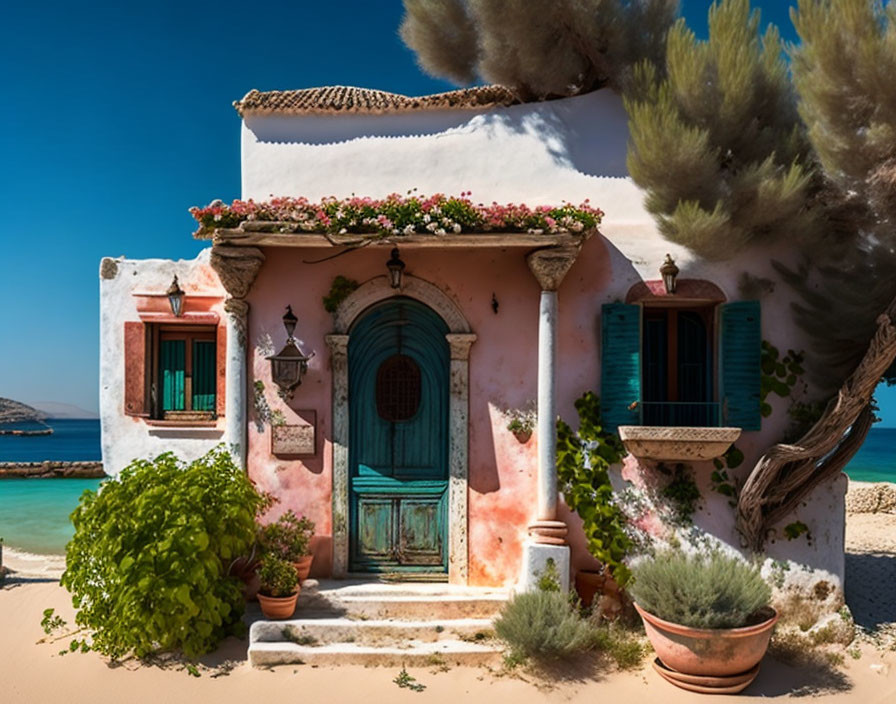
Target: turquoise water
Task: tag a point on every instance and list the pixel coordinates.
(71, 440)
(34, 512)
(876, 461)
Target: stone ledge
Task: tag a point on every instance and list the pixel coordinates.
(51, 470)
(670, 444)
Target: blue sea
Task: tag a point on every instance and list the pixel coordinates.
(34, 512)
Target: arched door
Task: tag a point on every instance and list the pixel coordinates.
(399, 361)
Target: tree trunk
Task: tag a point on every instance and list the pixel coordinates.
(785, 474)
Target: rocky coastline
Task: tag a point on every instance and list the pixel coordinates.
(51, 469)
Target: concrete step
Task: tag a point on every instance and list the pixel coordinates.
(322, 631)
(407, 601)
(411, 653)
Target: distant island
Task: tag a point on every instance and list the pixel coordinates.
(17, 412)
(55, 409)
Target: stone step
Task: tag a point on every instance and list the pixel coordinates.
(322, 631)
(411, 653)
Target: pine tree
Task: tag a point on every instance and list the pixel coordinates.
(843, 70)
(537, 48)
(717, 143)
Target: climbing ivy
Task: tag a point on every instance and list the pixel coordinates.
(722, 482)
(583, 460)
(682, 493)
(340, 289)
(782, 376)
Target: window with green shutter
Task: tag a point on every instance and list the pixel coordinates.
(185, 381)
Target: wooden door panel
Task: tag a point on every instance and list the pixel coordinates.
(420, 531)
(375, 537)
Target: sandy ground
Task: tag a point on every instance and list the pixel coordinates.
(32, 670)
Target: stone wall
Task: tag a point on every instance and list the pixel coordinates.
(50, 470)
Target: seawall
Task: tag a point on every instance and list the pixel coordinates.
(50, 469)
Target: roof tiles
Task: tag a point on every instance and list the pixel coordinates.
(335, 100)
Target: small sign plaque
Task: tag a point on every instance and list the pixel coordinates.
(294, 440)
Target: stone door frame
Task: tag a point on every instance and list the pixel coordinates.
(460, 338)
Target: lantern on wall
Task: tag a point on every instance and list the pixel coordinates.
(289, 365)
(669, 272)
(175, 298)
(396, 269)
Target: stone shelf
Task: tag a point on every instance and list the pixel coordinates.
(669, 444)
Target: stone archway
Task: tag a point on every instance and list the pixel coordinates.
(459, 338)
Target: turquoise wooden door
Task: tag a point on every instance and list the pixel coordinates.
(398, 440)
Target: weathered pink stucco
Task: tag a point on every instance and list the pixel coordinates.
(503, 374)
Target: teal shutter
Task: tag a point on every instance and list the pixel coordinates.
(741, 347)
(172, 365)
(203, 375)
(620, 364)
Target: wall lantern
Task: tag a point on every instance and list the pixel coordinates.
(396, 269)
(669, 273)
(289, 365)
(175, 298)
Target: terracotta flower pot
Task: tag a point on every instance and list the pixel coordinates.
(712, 652)
(278, 607)
(303, 567)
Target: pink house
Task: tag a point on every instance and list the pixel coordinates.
(396, 441)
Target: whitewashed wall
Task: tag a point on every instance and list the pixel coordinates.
(125, 438)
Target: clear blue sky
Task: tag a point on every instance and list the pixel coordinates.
(117, 117)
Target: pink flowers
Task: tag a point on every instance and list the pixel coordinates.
(395, 215)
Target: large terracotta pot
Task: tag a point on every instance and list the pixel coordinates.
(715, 652)
(278, 607)
(303, 567)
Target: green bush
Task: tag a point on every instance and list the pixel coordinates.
(543, 624)
(278, 577)
(147, 566)
(700, 591)
(288, 538)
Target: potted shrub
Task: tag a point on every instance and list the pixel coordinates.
(279, 588)
(289, 538)
(707, 617)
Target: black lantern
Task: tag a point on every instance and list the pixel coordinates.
(290, 364)
(175, 298)
(396, 268)
(669, 272)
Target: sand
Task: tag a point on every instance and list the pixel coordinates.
(32, 670)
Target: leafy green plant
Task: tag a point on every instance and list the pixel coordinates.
(147, 566)
(278, 577)
(794, 530)
(622, 645)
(549, 578)
(682, 493)
(52, 621)
(583, 460)
(710, 590)
(289, 537)
(521, 421)
(542, 624)
(406, 681)
(340, 289)
(722, 482)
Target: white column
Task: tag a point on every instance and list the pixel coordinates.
(547, 407)
(236, 379)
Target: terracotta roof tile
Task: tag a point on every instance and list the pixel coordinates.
(334, 100)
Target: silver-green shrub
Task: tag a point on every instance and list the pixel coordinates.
(543, 624)
(711, 590)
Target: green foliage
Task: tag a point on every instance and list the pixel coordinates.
(717, 142)
(147, 566)
(521, 420)
(682, 493)
(623, 646)
(406, 681)
(571, 46)
(780, 375)
(583, 460)
(701, 591)
(52, 621)
(340, 289)
(722, 482)
(794, 530)
(549, 579)
(289, 537)
(542, 624)
(277, 576)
